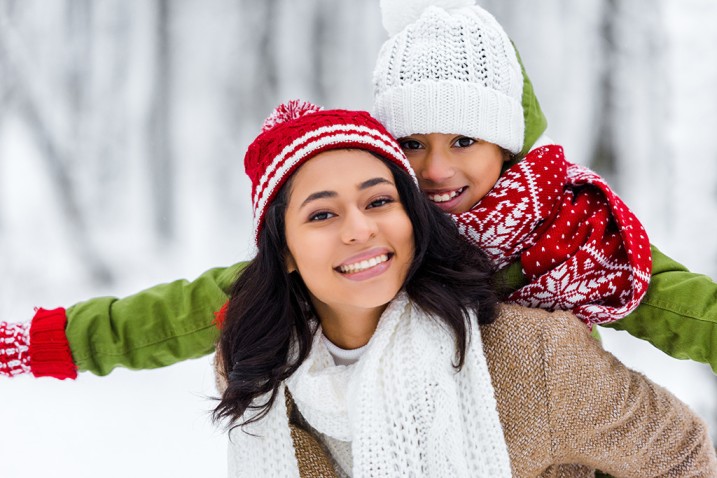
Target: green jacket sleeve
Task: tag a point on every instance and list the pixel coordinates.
(156, 327)
(678, 314)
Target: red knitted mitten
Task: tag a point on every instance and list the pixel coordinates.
(50, 354)
(39, 347)
(14, 348)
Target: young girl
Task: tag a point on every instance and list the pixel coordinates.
(356, 342)
(449, 84)
(460, 120)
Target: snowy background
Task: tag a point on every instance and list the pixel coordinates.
(122, 131)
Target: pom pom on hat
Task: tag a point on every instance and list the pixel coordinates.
(398, 14)
(296, 132)
(291, 110)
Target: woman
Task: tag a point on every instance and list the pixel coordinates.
(364, 338)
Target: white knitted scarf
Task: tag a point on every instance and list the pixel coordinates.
(403, 407)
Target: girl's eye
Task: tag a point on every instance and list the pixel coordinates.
(409, 144)
(380, 202)
(464, 142)
(321, 216)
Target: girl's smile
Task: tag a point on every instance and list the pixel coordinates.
(445, 196)
(454, 171)
(447, 200)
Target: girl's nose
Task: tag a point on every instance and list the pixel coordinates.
(437, 168)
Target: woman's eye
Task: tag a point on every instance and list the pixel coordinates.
(321, 216)
(464, 142)
(409, 144)
(380, 202)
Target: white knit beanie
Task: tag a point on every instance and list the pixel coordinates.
(448, 67)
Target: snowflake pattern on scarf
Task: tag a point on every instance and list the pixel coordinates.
(580, 246)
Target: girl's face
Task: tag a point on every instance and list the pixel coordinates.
(454, 171)
(347, 232)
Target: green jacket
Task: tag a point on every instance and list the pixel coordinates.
(156, 327)
(172, 322)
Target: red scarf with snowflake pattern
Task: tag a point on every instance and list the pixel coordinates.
(580, 246)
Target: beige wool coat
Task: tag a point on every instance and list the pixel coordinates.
(568, 407)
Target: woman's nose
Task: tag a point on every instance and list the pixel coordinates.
(358, 227)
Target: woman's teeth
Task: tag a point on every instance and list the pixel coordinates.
(363, 265)
(445, 196)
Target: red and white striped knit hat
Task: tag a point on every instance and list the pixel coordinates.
(296, 132)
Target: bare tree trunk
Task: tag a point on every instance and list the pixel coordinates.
(4, 99)
(160, 118)
(78, 42)
(604, 157)
(258, 70)
(319, 51)
(56, 158)
(639, 87)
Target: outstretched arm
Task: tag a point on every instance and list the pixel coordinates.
(154, 328)
(679, 313)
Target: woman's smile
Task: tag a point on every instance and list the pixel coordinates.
(366, 265)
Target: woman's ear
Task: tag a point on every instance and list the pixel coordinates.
(290, 263)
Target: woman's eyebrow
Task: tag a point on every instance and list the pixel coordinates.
(318, 195)
(373, 182)
(330, 194)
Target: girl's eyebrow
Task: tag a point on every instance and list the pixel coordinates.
(330, 194)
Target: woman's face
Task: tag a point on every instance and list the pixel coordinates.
(347, 232)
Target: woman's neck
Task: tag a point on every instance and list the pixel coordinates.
(348, 328)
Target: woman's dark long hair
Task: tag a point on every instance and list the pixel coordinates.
(269, 325)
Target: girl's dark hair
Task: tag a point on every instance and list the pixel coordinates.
(269, 324)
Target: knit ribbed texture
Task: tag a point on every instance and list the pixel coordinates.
(50, 354)
(451, 71)
(14, 348)
(580, 246)
(296, 132)
(40, 347)
(402, 406)
(266, 447)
